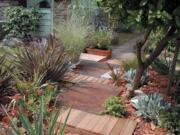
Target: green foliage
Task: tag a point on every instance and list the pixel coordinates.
(128, 64)
(154, 38)
(5, 77)
(48, 63)
(2, 32)
(21, 21)
(72, 34)
(115, 75)
(114, 106)
(99, 40)
(149, 106)
(32, 92)
(82, 10)
(144, 13)
(170, 119)
(162, 67)
(39, 125)
(130, 74)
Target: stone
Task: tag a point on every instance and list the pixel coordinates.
(153, 127)
(138, 120)
(138, 93)
(12, 42)
(135, 99)
(108, 74)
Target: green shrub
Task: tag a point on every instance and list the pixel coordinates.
(114, 106)
(128, 64)
(32, 93)
(2, 32)
(154, 38)
(149, 106)
(5, 76)
(49, 63)
(73, 36)
(170, 119)
(39, 125)
(21, 21)
(99, 40)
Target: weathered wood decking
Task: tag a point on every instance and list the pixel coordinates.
(91, 124)
(76, 78)
(92, 57)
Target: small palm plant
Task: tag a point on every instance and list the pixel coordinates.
(38, 126)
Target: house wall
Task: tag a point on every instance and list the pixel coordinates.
(60, 12)
(60, 9)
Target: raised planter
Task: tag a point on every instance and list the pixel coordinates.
(107, 53)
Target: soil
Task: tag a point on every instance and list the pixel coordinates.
(157, 83)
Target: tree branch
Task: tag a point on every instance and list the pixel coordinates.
(140, 44)
(161, 45)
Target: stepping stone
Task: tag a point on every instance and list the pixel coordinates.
(97, 124)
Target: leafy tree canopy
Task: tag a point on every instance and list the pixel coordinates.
(144, 13)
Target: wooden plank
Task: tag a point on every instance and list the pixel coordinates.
(84, 78)
(100, 125)
(109, 126)
(120, 124)
(106, 82)
(74, 113)
(72, 77)
(92, 57)
(128, 128)
(77, 78)
(95, 124)
(90, 79)
(94, 121)
(88, 122)
(78, 119)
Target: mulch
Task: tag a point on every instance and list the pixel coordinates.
(157, 84)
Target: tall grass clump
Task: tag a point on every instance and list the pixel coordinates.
(72, 34)
(129, 64)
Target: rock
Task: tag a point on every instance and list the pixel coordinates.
(153, 127)
(108, 74)
(138, 120)
(129, 87)
(135, 99)
(12, 42)
(138, 93)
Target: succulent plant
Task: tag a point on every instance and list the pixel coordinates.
(170, 119)
(149, 106)
(130, 74)
(161, 67)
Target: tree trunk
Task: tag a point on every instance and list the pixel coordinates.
(139, 73)
(173, 66)
(143, 65)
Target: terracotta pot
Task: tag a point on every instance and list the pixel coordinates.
(107, 53)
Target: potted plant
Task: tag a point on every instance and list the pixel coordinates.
(99, 44)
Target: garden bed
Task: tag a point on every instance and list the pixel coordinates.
(154, 86)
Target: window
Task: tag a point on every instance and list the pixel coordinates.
(44, 4)
(23, 3)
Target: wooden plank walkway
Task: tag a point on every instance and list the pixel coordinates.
(91, 124)
(76, 78)
(92, 57)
